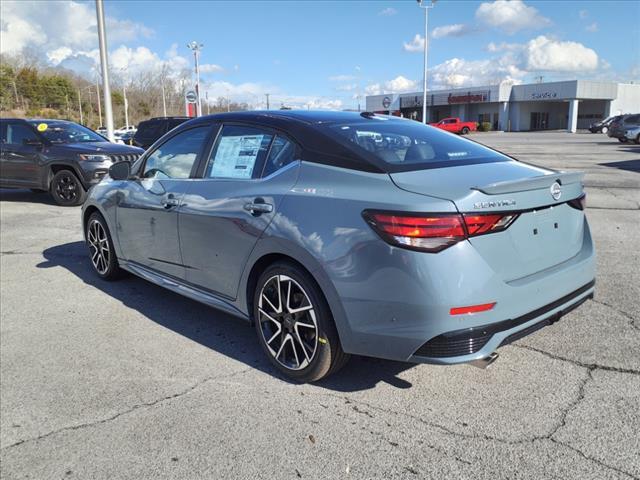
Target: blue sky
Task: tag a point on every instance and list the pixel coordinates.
(325, 54)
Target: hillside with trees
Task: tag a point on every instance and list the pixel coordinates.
(30, 89)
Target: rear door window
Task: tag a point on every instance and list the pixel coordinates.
(18, 133)
(281, 154)
(404, 145)
(239, 153)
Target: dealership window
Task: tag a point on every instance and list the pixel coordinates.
(239, 152)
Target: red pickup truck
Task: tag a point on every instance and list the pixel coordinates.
(454, 125)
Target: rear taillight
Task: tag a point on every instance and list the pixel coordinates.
(579, 203)
(433, 232)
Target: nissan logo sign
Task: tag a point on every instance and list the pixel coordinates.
(386, 102)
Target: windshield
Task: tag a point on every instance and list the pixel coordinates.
(66, 132)
(409, 145)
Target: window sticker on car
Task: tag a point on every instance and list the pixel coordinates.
(236, 156)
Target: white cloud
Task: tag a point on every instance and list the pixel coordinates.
(399, 84)
(347, 87)
(455, 30)
(341, 78)
(48, 27)
(545, 54)
(415, 45)
(210, 68)
(511, 16)
(503, 46)
(583, 14)
(458, 72)
(592, 27)
(388, 12)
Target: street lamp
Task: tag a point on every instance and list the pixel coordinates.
(195, 47)
(426, 8)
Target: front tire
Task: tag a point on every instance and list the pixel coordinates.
(101, 251)
(465, 131)
(66, 189)
(604, 129)
(294, 324)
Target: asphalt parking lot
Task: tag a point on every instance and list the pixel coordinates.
(126, 380)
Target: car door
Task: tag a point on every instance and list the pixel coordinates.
(21, 154)
(147, 209)
(246, 176)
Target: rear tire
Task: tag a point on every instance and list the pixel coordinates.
(604, 129)
(101, 251)
(294, 324)
(465, 130)
(66, 189)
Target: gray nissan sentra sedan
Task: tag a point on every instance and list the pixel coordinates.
(341, 233)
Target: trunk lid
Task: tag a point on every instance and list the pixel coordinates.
(547, 231)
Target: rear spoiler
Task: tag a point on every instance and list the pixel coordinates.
(532, 183)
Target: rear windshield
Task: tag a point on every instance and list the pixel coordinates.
(403, 145)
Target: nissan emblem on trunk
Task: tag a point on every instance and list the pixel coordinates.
(555, 190)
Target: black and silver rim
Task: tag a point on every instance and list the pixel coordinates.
(67, 187)
(288, 322)
(99, 247)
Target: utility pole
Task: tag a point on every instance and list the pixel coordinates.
(126, 105)
(164, 101)
(196, 47)
(102, 37)
(267, 95)
(426, 46)
(80, 107)
(99, 103)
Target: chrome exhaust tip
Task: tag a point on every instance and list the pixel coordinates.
(486, 361)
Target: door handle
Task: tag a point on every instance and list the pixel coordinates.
(258, 207)
(170, 201)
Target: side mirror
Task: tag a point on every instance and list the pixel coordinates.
(120, 171)
(33, 142)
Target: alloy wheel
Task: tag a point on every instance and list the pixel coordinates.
(99, 247)
(67, 187)
(288, 322)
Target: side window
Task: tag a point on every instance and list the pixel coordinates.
(282, 153)
(239, 152)
(17, 133)
(633, 119)
(3, 132)
(175, 157)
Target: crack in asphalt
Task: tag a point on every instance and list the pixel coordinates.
(589, 366)
(628, 316)
(127, 411)
(548, 436)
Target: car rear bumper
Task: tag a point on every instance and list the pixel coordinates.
(472, 344)
(405, 314)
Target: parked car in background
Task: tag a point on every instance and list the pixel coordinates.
(619, 127)
(151, 130)
(633, 135)
(602, 126)
(455, 125)
(125, 129)
(102, 131)
(58, 156)
(125, 138)
(334, 243)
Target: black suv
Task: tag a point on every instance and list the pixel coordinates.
(619, 127)
(151, 130)
(58, 156)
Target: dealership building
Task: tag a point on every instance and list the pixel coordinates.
(568, 105)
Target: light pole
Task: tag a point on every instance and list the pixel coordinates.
(195, 47)
(80, 107)
(426, 8)
(102, 37)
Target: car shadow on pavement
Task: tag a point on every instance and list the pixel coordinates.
(213, 329)
(631, 165)
(26, 196)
